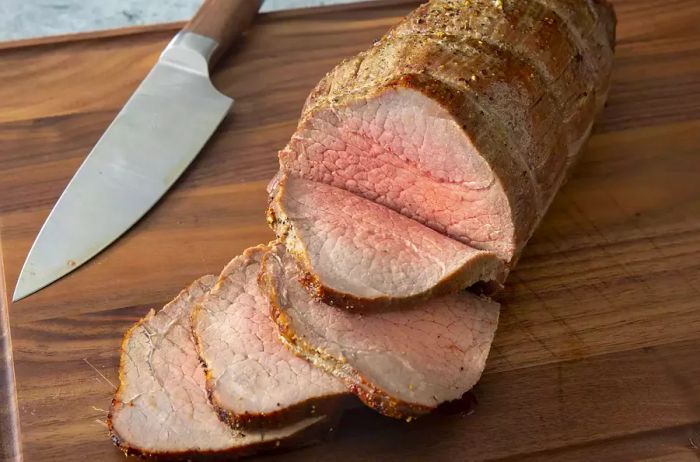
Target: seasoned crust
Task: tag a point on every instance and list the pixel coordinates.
(321, 430)
(324, 406)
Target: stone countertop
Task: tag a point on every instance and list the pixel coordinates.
(22, 19)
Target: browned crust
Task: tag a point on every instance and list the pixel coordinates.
(326, 405)
(483, 268)
(319, 431)
(371, 395)
(116, 401)
(549, 46)
(533, 63)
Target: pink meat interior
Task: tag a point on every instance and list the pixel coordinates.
(403, 150)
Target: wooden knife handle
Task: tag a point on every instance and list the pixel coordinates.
(223, 21)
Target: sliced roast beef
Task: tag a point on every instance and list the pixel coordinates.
(402, 362)
(251, 377)
(356, 253)
(161, 406)
(465, 117)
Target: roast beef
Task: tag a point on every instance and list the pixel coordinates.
(251, 377)
(415, 166)
(359, 254)
(466, 116)
(402, 362)
(161, 406)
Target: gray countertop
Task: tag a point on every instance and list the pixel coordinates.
(21, 19)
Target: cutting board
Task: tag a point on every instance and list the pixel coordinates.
(597, 355)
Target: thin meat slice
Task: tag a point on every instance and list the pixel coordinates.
(466, 116)
(252, 378)
(356, 253)
(161, 406)
(403, 363)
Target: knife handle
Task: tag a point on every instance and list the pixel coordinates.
(223, 21)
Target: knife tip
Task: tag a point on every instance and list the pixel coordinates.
(21, 290)
(17, 296)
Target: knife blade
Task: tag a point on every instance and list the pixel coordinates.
(152, 140)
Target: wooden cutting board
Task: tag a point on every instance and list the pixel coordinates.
(598, 352)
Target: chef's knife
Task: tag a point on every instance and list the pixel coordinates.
(160, 130)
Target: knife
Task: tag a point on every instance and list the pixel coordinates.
(159, 131)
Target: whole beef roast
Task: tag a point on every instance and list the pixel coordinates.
(161, 406)
(403, 362)
(466, 116)
(358, 254)
(251, 377)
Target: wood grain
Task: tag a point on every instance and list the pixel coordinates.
(596, 356)
(10, 445)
